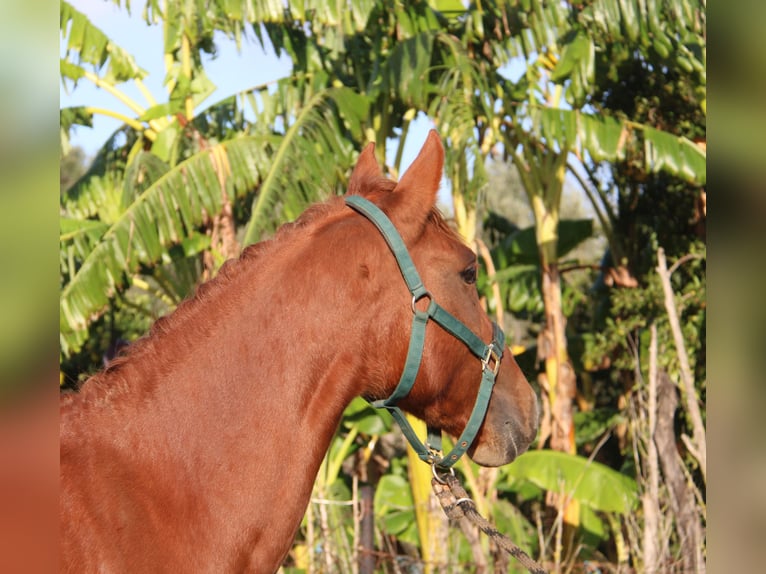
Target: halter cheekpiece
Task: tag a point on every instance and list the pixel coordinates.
(488, 354)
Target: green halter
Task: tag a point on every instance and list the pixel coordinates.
(490, 355)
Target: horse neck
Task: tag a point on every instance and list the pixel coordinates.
(246, 393)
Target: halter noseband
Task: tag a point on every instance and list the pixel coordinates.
(490, 355)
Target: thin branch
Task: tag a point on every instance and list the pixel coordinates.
(650, 498)
(682, 260)
(186, 67)
(402, 140)
(481, 247)
(133, 123)
(606, 223)
(158, 124)
(145, 91)
(690, 394)
(114, 91)
(579, 267)
(601, 193)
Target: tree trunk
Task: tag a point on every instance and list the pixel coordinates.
(682, 501)
(692, 406)
(367, 528)
(651, 496)
(559, 374)
(558, 382)
(223, 240)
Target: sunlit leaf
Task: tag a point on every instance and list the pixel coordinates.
(606, 138)
(394, 505)
(591, 483)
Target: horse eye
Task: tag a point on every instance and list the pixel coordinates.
(469, 274)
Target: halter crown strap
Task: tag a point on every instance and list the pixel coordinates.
(490, 355)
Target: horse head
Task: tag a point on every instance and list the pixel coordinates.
(445, 389)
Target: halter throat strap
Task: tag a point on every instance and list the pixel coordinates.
(489, 355)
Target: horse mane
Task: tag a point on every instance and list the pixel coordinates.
(374, 188)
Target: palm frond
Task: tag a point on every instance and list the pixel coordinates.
(310, 157)
(163, 214)
(93, 47)
(71, 116)
(531, 25)
(673, 30)
(94, 196)
(606, 138)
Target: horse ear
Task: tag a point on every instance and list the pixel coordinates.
(415, 194)
(367, 168)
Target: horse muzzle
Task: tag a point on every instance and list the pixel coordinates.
(512, 418)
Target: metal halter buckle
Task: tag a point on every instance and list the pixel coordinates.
(492, 355)
(416, 298)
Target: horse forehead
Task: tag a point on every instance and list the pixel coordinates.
(440, 237)
(437, 241)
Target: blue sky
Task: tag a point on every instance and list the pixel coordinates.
(230, 71)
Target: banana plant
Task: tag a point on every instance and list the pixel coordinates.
(603, 496)
(193, 166)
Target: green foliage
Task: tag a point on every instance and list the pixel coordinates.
(93, 47)
(68, 117)
(393, 502)
(591, 425)
(591, 483)
(168, 210)
(607, 138)
(623, 331)
(315, 126)
(512, 522)
(520, 247)
(360, 415)
(516, 257)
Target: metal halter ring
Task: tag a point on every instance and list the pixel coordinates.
(492, 355)
(416, 298)
(439, 478)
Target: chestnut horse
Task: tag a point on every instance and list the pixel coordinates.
(196, 451)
